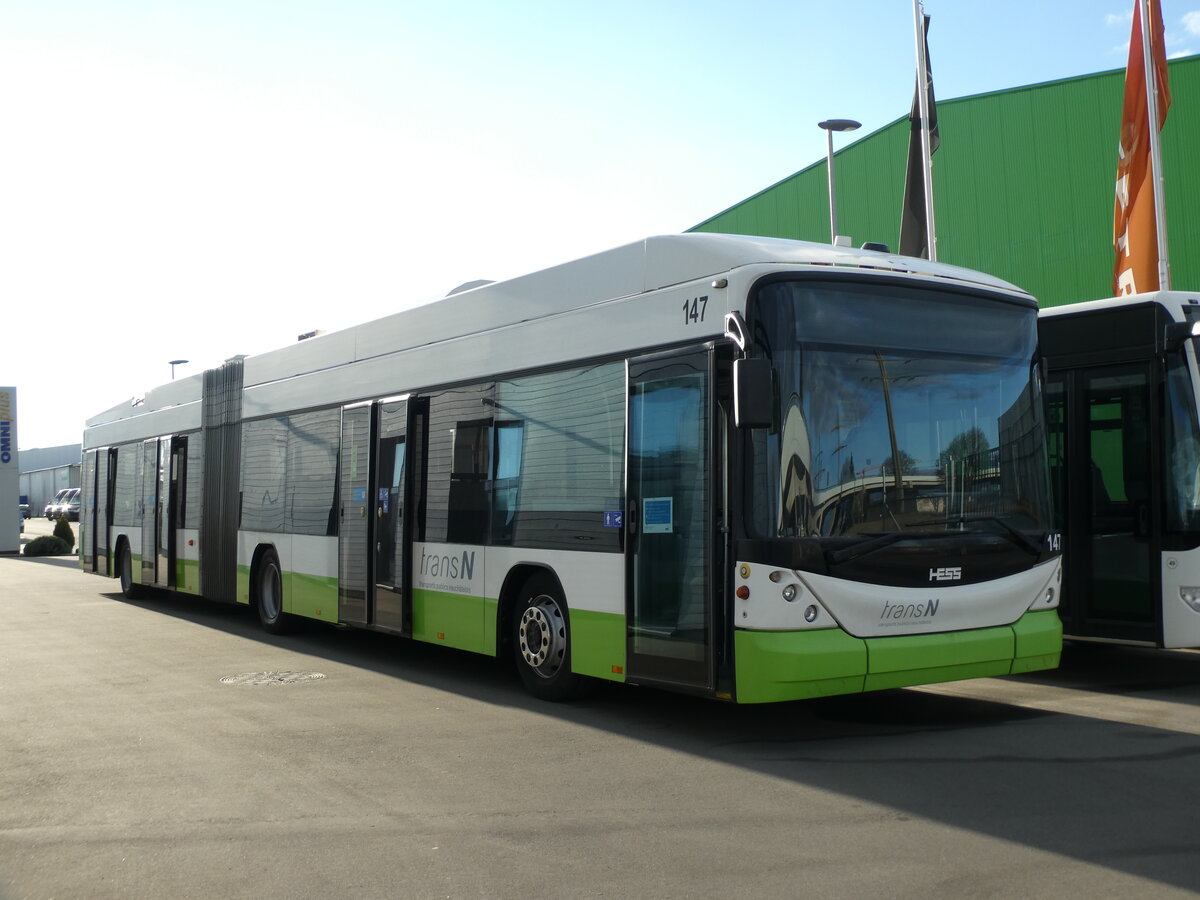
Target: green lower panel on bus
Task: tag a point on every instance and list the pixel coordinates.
(894, 662)
(1039, 641)
(187, 576)
(456, 620)
(312, 596)
(796, 665)
(598, 644)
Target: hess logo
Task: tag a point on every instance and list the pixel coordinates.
(948, 573)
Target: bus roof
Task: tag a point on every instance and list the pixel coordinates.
(1169, 299)
(647, 265)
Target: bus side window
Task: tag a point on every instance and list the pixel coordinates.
(436, 517)
(506, 479)
(468, 513)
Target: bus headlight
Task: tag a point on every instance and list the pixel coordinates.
(1191, 596)
(810, 614)
(789, 593)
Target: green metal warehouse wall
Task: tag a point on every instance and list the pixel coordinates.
(1023, 185)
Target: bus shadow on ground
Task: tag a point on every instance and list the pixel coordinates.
(1114, 669)
(1105, 793)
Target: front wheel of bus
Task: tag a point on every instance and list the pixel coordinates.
(541, 638)
(269, 594)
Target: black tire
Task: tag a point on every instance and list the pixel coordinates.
(129, 587)
(268, 594)
(541, 640)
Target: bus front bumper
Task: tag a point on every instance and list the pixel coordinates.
(773, 666)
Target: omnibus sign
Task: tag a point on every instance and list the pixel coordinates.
(10, 473)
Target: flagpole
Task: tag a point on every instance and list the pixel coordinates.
(1156, 180)
(923, 105)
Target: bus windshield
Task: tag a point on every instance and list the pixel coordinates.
(900, 412)
(1182, 445)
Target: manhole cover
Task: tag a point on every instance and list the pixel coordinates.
(272, 678)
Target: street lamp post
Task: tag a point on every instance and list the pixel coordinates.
(173, 363)
(830, 126)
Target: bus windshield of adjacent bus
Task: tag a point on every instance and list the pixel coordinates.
(1182, 443)
(902, 413)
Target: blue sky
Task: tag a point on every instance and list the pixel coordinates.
(192, 180)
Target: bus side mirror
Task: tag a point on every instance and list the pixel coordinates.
(1176, 333)
(753, 393)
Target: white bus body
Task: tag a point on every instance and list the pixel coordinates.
(550, 467)
(1125, 460)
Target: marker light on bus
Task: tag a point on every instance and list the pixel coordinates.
(1191, 596)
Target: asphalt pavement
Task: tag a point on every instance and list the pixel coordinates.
(167, 747)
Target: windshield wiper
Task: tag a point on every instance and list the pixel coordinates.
(1022, 540)
(870, 545)
(878, 542)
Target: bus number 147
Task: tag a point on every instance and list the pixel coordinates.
(693, 310)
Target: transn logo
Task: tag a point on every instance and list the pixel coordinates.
(952, 573)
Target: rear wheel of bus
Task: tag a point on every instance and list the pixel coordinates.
(125, 569)
(268, 594)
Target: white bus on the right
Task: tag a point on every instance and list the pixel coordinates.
(1125, 465)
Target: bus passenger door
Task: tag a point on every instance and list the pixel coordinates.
(106, 482)
(1122, 520)
(164, 576)
(100, 511)
(174, 513)
(354, 528)
(389, 519)
(1112, 531)
(668, 519)
(98, 474)
(87, 510)
(149, 510)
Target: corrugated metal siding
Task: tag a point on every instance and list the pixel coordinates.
(1023, 186)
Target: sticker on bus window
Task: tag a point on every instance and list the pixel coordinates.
(359, 495)
(613, 519)
(658, 515)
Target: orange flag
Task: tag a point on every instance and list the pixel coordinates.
(1135, 236)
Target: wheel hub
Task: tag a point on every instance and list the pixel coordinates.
(542, 636)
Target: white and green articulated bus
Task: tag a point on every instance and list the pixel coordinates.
(748, 468)
(1124, 433)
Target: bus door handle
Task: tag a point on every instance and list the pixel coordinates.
(632, 518)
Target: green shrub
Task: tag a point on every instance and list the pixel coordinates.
(47, 545)
(62, 531)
